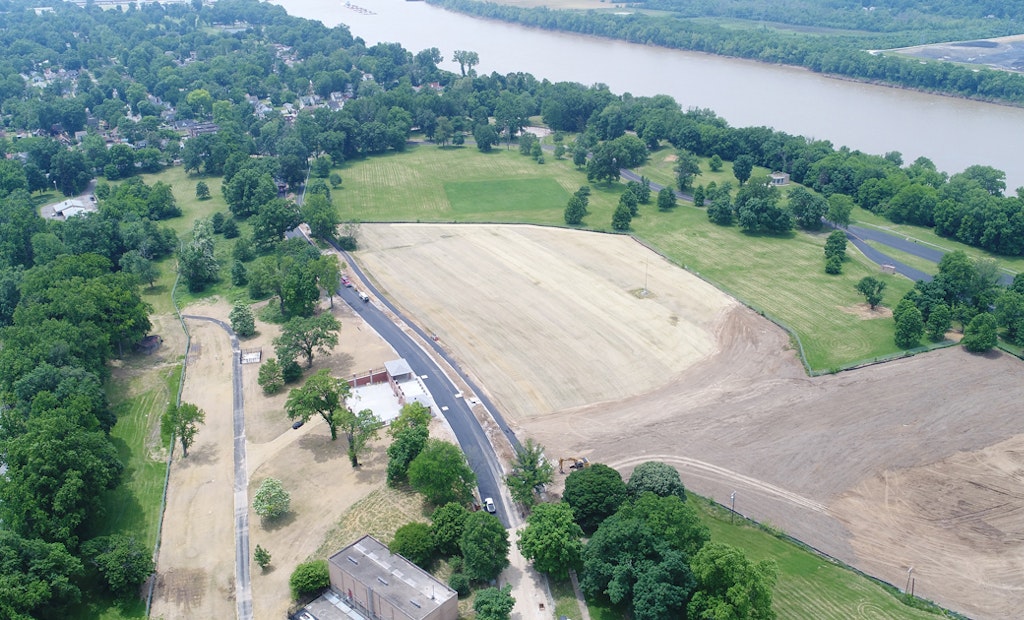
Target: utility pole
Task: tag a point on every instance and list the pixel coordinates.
(732, 517)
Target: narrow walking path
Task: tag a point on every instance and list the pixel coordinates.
(243, 584)
(580, 601)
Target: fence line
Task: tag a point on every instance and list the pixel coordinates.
(170, 451)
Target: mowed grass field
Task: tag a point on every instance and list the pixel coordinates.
(781, 276)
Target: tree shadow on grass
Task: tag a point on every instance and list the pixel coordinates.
(272, 525)
(322, 447)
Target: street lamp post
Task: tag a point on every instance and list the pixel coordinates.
(732, 498)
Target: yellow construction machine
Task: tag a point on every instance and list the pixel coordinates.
(575, 462)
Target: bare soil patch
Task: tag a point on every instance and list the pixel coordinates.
(916, 462)
(867, 313)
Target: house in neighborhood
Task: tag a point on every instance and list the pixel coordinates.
(366, 578)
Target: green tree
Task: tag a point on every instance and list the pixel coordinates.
(124, 561)
(197, 263)
(835, 245)
(360, 428)
(321, 166)
(446, 525)
(594, 493)
(309, 578)
(409, 432)
(840, 206)
(731, 586)
(271, 500)
(552, 539)
(321, 395)
(486, 137)
(335, 180)
(39, 579)
(249, 190)
(262, 557)
(467, 60)
(302, 335)
(242, 320)
(622, 218)
(742, 167)
(698, 196)
(182, 421)
(321, 216)
(202, 190)
(441, 474)
(833, 265)
(529, 471)
(940, 319)
(270, 377)
(656, 477)
(909, 327)
(57, 472)
(327, 271)
(1010, 315)
(414, 542)
(871, 288)
(494, 604)
(687, 167)
(666, 199)
(808, 208)
(980, 333)
(715, 163)
(272, 220)
(141, 267)
(484, 545)
(575, 211)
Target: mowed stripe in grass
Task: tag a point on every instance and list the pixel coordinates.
(809, 587)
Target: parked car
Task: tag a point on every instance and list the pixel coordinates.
(345, 281)
(489, 505)
(364, 296)
(298, 423)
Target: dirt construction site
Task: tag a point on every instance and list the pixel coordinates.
(595, 346)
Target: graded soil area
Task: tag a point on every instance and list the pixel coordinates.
(913, 463)
(196, 565)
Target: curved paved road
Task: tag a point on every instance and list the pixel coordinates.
(243, 584)
(474, 442)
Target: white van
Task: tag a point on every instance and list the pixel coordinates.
(364, 296)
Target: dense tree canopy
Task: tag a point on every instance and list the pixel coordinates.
(594, 493)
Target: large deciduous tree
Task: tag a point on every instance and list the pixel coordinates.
(656, 477)
(440, 473)
(494, 603)
(321, 395)
(980, 333)
(687, 167)
(409, 433)
(37, 577)
(446, 525)
(415, 542)
(594, 493)
(182, 421)
(484, 545)
(871, 288)
(731, 586)
(360, 428)
(57, 471)
(552, 539)
(123, 561)
(529, 471)
(271, 500)
(302, 335)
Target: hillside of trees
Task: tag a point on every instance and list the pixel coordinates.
(818, 36)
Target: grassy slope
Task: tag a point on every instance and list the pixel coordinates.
(783, 276)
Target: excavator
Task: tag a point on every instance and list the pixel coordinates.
(575, 462)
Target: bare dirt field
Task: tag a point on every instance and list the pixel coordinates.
(917, 462)
(195, 572)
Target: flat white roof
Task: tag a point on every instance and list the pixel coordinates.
(397, 368)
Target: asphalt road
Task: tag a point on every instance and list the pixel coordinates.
(474, 442)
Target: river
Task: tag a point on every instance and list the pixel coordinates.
(954, 133)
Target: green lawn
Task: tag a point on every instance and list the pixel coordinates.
(781, 276)
(809, 586)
